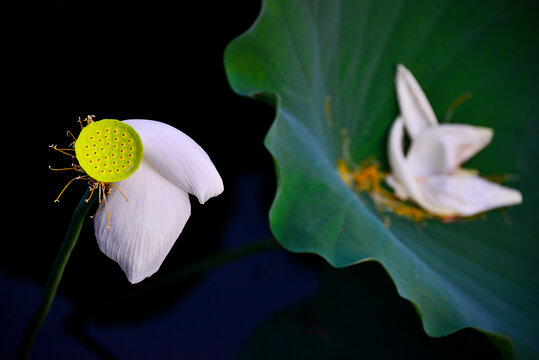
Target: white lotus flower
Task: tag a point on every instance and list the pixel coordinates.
(143, 229)
(430, 172)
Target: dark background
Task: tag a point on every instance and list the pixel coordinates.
(164, 61)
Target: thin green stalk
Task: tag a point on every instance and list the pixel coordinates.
(55, 275)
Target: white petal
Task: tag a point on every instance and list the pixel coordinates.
(399, 190)
(468, 195)
(402, 171)
(143, 229)
(442, 149)
(414, 105)
(180, 159)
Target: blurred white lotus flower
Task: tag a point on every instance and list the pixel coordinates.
(143, 229)
(430, 172)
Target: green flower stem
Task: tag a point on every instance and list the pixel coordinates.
(55, 275)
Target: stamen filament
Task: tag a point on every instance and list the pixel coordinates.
(89, 120)
(99, 198)
(63, 151)
(455, 104)
(61, 169)
(69, 133)
(113, 184)
(107, 209)
(91, 193)
(65, 187)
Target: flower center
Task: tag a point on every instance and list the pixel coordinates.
(108, 150)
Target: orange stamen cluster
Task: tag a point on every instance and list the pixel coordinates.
(368, 178)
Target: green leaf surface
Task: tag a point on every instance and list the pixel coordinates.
(302, 53)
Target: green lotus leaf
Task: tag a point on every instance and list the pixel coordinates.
(329, 66)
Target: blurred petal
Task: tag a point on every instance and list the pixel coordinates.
(402, 172)
(143, 229)
(442, 149)
(468, 195)
(177, 157)
(399, 190)
(414, 105)
(430, 173)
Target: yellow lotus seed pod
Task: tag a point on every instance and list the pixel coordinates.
(109, 150)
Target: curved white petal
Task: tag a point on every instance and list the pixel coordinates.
(399, 165)
(468, 195)
(180, 159)
(414, 105)
(430, 173)
(442, 149)
(143, 229)
(399, 190)
(402, 171)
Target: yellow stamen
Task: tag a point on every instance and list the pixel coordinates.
(343, 171)
(69, 133)
(367, 177)
(65, 187)
(455, 104)
(409, 211)
(113, 184)
(99, 199)
(63, 151)
(102, 187)
(61, 169)
(107, 209)
(89, 119)
(327, 109)
(91, 193)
